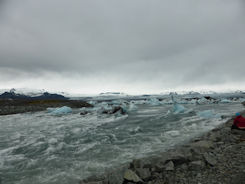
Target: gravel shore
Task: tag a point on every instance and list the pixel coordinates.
(218, 157)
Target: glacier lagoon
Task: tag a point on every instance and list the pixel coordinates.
(45, 148)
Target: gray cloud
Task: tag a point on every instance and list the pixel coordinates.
(122, 45)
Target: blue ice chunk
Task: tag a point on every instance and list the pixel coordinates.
(139, 102)
(60, 111)
(177, 108)
(208, 114)
(154, 101)
(225, 101)
(202, 101)
(129, 107)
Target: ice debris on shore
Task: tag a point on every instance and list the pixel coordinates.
(59, 111)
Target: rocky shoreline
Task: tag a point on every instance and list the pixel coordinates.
(217, 157)
(10, 106)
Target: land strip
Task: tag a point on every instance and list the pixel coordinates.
(10, 106)
(218, 157)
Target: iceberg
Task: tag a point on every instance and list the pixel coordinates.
(139, 102)
(87, 110)
(59, 111)
(172, 133)
(177, 108)
(207, 114)
(129, 107)
(93, 102)
(242, 99)
(202, 101)
(225, 101)
(132, 106)
(153, 101)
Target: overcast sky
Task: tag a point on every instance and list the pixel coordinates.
(132, 46)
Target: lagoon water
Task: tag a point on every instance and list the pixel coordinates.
(43, 148)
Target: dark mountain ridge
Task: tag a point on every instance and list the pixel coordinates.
(45, 96)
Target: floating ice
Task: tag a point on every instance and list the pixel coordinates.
(88, 110)
(93, 102)
(59, 111)
(242, 99)
(166, 101)
(202, 101)
(153, 101)
(52, 141)
(177, 108)
(172, 133)
(115, 107)
(135, 130)
(225, 101)
(116, 102)
(207, 114)
(132, 107)
(139, 102)
(129, 107)
(193, 101)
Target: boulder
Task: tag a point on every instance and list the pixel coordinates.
(242, 137)
(197, 154)
(131, 176)
(169, 166)
(197, 165)
(159, 167)
(117, 176)
(238, 132)
(179, 157)
(203, 146)
(95, 180)
(158, 181)
(143, 173)
(137, 163)
(92, 182)
(210, 159)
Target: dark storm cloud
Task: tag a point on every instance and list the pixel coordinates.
(156, 44)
